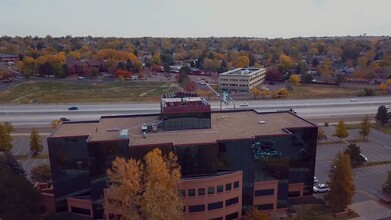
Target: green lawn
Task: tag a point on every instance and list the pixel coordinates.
(82, 92)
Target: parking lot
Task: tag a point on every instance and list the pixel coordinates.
(21, 147)
(369, 179)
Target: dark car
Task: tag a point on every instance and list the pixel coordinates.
(73, 108)
(64, 119)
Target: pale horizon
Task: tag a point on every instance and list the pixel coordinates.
(194, 19)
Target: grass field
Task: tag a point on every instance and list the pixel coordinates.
(321, 91)
(76, 92)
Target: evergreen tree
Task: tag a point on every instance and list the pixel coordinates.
(35, 142)
(18, 198)
(341, 131)
(341, 183)
(365, 127)
(354, 153)
(382, 116)
(9, 162)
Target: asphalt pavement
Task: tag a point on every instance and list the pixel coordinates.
(368, 180)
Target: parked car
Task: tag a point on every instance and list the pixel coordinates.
(73, 108)
(354, 100)
(364, 157)
(321, 188)
(315, 180)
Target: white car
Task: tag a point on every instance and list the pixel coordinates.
(244, 104)
(364, 157)
(321, 188)
(354, 100)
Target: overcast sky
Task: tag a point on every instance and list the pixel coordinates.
(195, 18)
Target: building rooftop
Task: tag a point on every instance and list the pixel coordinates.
(225, 125)
(243, 71)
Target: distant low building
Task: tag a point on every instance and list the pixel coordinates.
(6, 58)
(84, 67)
(242, 79)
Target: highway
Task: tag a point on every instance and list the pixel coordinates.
(43, 114)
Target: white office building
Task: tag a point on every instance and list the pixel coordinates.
(241, 79)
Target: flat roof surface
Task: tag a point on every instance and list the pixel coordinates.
(225, 125)
(242, 72)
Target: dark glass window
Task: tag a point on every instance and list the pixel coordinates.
(80, 211)
(196, 208)
(201, 192)
(232, 201)
(211, 190)
(294, 194)
(265, 192)
(232, 216)
(215, 205)
(228, 187)
(265, 206)
(191, 192)
(184, 208)
(236, 184)
(220, 189)
(182, 193)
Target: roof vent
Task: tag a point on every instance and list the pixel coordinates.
(123, 134)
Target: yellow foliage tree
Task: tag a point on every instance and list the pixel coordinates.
(255, 92)
(148, 190)
(382, 87)
(28, 66)
(285, 62)
(255, 214)
(204, 93)
(242, 61)
(295, 79)
(388, 82)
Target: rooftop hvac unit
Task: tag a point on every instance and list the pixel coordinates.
(154, 127)
(123, 134)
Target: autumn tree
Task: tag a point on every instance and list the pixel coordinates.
(321, 134)
(28, 67)
(255, 92)
(340, 130)
(382, 87)
(41, 173)
(382, 116)
(35, 142)
(205, 93)
(341, 183)
(242, 62)
(55, 123)
(5, 137)
(295, 79)
(285, 62)
(144, 190)
(365, 127)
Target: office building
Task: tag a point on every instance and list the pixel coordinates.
(241, 80)
(231, 161)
